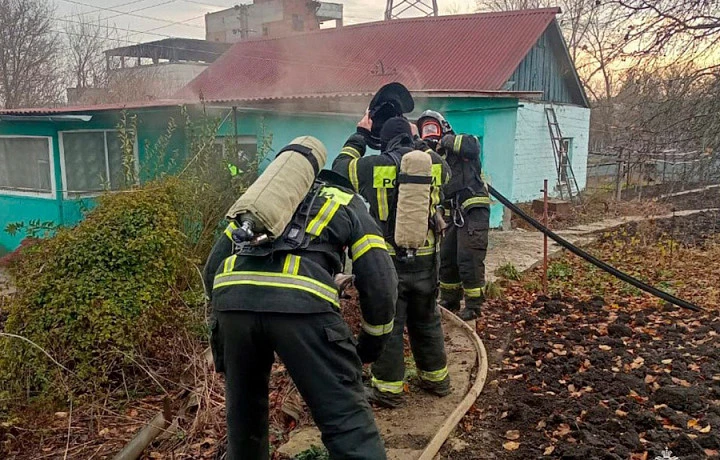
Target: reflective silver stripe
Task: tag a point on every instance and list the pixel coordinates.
(350, 151)
(433, 376)
(366, 243)
(229, 229)
(229, 263)
(388, 387)
(279, 280)
(292, 264)
(378, 330)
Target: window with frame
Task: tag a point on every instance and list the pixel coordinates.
(25, 165)
(92, 162)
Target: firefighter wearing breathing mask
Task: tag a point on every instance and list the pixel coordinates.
(271, 278)
(402, 186)
(467, 213)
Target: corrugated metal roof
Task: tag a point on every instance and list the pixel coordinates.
(476, 52)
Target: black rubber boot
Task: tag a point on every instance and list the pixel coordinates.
(441, 388)
(450, 299)
(384, 399)
(472, 309)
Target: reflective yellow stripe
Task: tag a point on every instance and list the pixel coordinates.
(382, 199)
(429, 151)
(424, 251)
(450, 286)
(292, 264)
(323, 217)
(384, 176)
(435, 196)
(354, 175)
(366, 243)
(229, 264)
(476, 200)
(388, 387)
(437, 179)
(351, 151)
(336, 194)
(458, 143)
(229, 229)
(474, 293)
(279, 280)
(377, 331)
(434, 376)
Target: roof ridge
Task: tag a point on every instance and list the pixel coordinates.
(448, 17)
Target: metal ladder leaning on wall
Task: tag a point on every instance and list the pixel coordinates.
(567, 184)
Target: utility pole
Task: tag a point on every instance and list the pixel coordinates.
(395, 8)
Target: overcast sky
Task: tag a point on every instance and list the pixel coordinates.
(184, 18)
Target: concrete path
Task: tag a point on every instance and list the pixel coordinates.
(524, 248)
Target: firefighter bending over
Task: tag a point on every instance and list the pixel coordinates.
(272, 281)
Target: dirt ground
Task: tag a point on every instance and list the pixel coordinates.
(614, 376)
(404, 431)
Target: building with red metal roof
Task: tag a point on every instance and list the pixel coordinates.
(505, 77)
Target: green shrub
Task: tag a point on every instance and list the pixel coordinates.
(95, 296)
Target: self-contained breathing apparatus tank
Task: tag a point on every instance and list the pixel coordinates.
(267, 207)
(413, 202)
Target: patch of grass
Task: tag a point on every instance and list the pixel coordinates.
(313, 453)
(533, 286)
(508, 272)
(493, 291)
(560, 271)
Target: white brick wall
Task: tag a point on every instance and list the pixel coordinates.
(534, 158)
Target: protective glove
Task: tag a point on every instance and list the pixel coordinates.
(370, 347)
(446, 144)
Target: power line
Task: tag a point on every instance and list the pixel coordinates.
(206, 4)
(97, 10)
(132, 13)
(169, 25)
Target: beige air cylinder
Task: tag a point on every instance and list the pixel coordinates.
(272, 199)
(413, 204)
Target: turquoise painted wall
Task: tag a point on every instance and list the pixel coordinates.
(534, 159)
(494, 120)
(57, 208)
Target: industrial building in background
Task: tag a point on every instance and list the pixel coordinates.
(270, 18)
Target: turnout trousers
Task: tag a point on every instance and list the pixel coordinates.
(417, 308)
(318, 350)
(462, 255)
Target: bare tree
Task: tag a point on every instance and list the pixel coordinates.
(87, 39)
(660, 24)
(30, 68)
(574, 21)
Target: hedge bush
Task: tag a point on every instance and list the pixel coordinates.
(95, 296)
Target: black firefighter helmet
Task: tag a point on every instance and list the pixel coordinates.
(392, 100)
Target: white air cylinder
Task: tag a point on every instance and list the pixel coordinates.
(413, 204)
(273, 198)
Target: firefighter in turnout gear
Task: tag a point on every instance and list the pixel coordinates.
(378, 179)
(278, 295)
(467, 213)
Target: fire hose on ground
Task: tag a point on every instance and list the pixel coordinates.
(593, 260)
